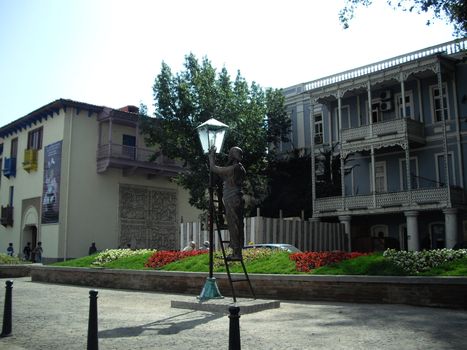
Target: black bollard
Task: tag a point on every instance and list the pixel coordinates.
(93, 343)
(234, 329)
(6, 329)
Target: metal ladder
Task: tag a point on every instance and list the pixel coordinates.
(227, 267)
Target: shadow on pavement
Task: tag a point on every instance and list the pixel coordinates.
(167, 326)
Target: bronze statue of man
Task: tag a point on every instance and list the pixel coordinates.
(233, 176)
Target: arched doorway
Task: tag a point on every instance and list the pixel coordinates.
(30, 228)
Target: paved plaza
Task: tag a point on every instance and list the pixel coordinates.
(50, 316)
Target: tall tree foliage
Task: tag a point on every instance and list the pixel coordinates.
(289, 185)
(256, 119)
(452, 11)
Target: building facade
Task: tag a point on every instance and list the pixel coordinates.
(75, 173)
(397, 130)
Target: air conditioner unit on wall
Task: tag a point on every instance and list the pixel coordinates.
(385, 106)
(385, 95)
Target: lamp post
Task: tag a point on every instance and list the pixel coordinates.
(211, 134)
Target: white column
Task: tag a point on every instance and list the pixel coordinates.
(346, 220)
(445, 142)
(339, 117)
(413, 242)
(450, 222)
(404, 112)
(373, 175)
(312, 156)
(370, 121)
(407, 146)
(370, 118)
(300, 143)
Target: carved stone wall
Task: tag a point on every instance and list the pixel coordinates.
(148, 217)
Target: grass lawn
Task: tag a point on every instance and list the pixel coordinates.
(276, 262)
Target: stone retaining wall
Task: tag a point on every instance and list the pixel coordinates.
(423, 291)
(12, 271)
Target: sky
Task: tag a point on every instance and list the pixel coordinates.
(108, 52)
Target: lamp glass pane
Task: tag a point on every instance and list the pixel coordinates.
(219, 140)
(203, 137)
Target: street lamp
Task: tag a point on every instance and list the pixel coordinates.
(211, 134)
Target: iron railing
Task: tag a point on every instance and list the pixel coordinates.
(449, 48)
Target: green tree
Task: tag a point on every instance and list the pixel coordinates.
(452, 11)
(289, 187)
(256, 119)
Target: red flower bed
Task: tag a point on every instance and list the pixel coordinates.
(304, 262)
(164, 257)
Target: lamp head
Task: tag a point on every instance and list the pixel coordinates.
(212, 133)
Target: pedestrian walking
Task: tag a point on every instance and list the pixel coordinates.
(92, 249)
(38, 252)
(27, 251)
(10, 251)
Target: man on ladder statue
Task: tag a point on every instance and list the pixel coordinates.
(233, 176)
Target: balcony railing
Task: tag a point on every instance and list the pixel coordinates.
(122, 156)
(387, 132)
(425, 198)
(447, 48)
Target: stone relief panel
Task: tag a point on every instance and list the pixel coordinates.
(133, 202)
(148, 217)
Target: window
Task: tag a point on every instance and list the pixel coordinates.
(441, 172)
(436, 104)
(129, 146)
(10, 197)
(345, 120)
(376, 115)
(408, 105)
(380, 177)
(413, 174)
(318, 129)
(35, 139)
(14, 148)
(350, 188)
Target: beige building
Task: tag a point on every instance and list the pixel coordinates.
(75, 173)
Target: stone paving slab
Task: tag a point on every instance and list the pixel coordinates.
(247, 306)
(55, 316)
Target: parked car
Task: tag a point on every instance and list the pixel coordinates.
(288, 247)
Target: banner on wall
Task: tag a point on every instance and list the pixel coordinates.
(51, 188)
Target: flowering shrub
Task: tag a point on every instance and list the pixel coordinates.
(109, 255)
(415, 262)
(248, 255)
(164, 257)
(304, 262)
(6, 259)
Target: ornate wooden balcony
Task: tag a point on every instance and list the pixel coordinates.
(9, 167)
(419, 199)
(383, 134)
(132, 159)
(30, 160)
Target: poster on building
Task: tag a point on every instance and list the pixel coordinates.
(51, 188)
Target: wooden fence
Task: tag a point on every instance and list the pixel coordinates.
(305, 235)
